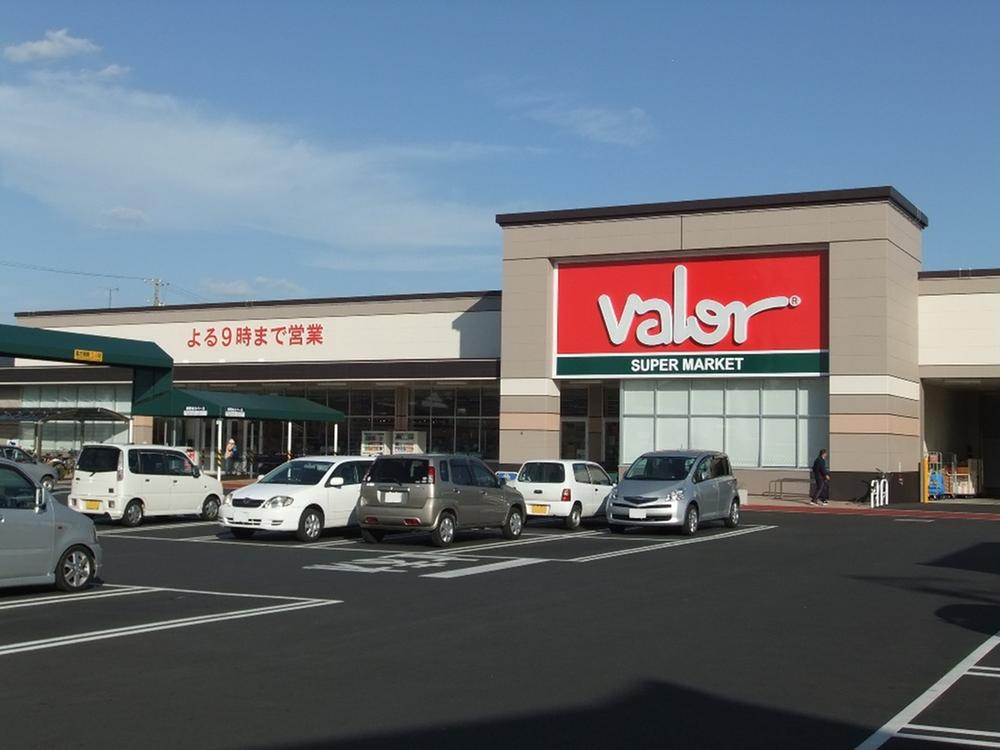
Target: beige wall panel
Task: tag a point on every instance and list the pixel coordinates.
(655, 234)
(874, 424)
(275, 312)
(142, 430)
(529, 421)
(902, 407)
(959, 371)
(783, 226)
(960, 329)
(905, 234)
(967, 285)
(530, 404)
(518, 446)
(864, 452)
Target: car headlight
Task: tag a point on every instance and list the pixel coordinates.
(674, 496)
(228, 499)
(279, 501)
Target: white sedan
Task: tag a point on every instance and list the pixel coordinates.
(571, 490)
(304, 495)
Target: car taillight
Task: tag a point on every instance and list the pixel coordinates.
(431, 475)
(567, 495)
(121, 465)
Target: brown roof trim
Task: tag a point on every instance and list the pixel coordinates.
(251, 372)
(959, 273)
(247, 304)
(777, 200)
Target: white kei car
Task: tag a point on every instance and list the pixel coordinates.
(571, 490)
(304, 495)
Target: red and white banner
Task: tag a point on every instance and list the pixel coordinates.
(737, 314)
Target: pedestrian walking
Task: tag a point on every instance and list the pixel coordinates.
(231, 453)
(819, 487)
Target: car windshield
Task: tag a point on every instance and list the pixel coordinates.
(298, 472)
(542, 473)
(661, 468)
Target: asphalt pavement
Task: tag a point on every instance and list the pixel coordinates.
(796, 630)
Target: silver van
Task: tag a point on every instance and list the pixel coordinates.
(675, 488)
(41, 540)
(436, 493)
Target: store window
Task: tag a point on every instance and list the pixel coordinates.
(759, 422)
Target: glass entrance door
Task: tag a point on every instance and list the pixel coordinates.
(573, 439)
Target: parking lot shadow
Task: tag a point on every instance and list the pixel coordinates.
(981, 618)
(979, 558)
(653, 715)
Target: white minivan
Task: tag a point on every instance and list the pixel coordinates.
(304, 495)
(129, 482)
(571, 490)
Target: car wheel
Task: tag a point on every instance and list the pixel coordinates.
(617, 528)
(242, 533)
(310, 525)
(48, 482)
(733, 519)
(690, 521)
(133, 513)
(514, 524)
(444, 533)
(75, 569)
(372, 536)
(210, 508)
(572, 521)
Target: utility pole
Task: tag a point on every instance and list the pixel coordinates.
(157, 284)
(111, 290)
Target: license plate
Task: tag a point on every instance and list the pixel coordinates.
(93, 504)
(538, 510)
(392, 497)
(637, 513)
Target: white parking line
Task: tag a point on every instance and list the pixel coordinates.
(100, 635)
(895, 725)
(931, 733)
(541, 539)
(490, 568)
(665, 545)
(66, 598)
(158, 527)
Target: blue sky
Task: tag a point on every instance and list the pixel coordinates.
(252, 150)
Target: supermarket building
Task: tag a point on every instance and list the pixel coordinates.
(768, 326)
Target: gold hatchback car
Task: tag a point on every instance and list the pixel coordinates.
(439, 493)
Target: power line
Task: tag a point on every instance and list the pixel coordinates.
(156, 283)
(31, 267)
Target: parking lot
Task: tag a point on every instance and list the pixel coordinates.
(795, 630)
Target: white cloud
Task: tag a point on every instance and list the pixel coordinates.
(125, 216)
(625, 127)
(261, 286)
(55, 46)
(106, 74)
(82, 146)
(629, 126)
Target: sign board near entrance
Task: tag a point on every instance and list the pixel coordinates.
(726, 316)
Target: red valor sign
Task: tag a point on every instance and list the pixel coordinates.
(721, 316)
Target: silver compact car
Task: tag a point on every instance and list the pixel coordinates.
(41, 540)
(675, 489)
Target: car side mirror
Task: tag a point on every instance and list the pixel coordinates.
(259, 477)
(39, 500)
(336, 482)
(502, 481)
(195, 472)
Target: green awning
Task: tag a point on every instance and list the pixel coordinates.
(182, 402)
(152, 368)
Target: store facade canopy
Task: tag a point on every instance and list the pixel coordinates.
(182, 402)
